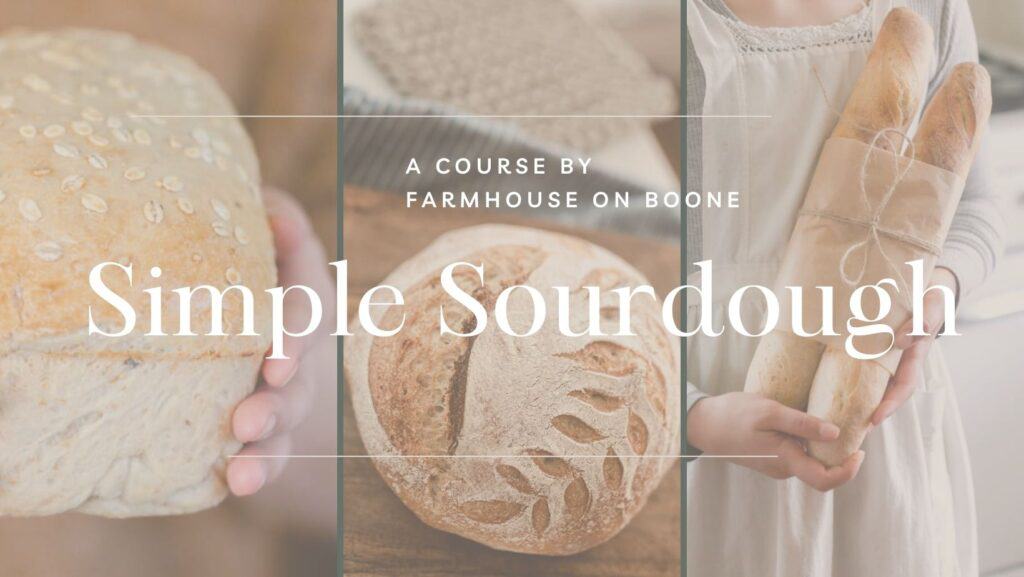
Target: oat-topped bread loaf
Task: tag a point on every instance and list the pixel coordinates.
(542, 444)
(136, 425)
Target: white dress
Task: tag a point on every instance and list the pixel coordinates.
(910, 511)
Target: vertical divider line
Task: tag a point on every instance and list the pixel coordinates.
(684, 265)
(339, 241)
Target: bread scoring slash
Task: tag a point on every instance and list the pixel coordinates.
(546, 444)
(90, 173)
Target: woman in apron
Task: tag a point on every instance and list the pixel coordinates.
(905, 505)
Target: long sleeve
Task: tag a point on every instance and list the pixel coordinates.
(693, 394)
(976, 235)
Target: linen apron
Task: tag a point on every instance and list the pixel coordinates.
(910, 510)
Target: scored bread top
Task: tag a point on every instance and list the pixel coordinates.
(891, 87)
(543, 444)
(86, 178)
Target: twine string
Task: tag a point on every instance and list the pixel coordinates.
(873, 223)
(897, 140)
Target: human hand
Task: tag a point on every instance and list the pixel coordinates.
(751, 425)
(910, 371)
(264, 420)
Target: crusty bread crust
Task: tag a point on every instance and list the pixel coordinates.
(846, 392)
(954, 120)
(783, 368)
(524, 444)
(892, 86)
(135, 425)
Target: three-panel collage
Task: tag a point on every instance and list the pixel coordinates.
(511, 288)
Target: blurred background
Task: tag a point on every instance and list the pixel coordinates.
(986, 361)
(533, 57)
(271, 57)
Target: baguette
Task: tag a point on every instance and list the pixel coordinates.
(783, 368)
(892, 86)
(846, 391)
(887, 96)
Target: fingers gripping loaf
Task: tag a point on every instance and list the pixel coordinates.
(527, 444)
(886, 97)
(847, 391)
(135, 425)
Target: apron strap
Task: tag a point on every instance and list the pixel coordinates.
(724, 93)
(709, 34)
(719, 56)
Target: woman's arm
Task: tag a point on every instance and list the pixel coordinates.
(766, 436)
(975, 239)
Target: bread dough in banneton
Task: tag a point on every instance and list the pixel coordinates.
(558, 421)
(134, 425)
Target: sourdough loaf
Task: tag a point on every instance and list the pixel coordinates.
(543, 444)
(137, 425)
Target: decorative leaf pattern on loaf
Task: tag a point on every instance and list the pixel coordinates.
(492, 512)
(544, 444)
(576, 429)
(551, 466)
(515, 478)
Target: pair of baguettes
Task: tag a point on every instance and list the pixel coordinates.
(823, 380)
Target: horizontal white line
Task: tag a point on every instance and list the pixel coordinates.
(520, 116)
(500, 456)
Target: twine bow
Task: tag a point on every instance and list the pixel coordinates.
(875, 230)
(874, 223)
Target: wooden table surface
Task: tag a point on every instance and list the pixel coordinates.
(382, 537)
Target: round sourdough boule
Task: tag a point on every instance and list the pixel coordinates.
(136, 425)
(544, 444)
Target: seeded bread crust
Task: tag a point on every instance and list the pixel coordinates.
(524, 444)
(136, 425)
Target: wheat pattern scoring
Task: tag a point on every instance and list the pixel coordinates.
(570, 422)
(604, 357)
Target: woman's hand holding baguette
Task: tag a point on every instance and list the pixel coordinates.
(910, 372)
(768, 437)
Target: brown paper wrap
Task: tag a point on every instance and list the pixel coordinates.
(867, 213)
